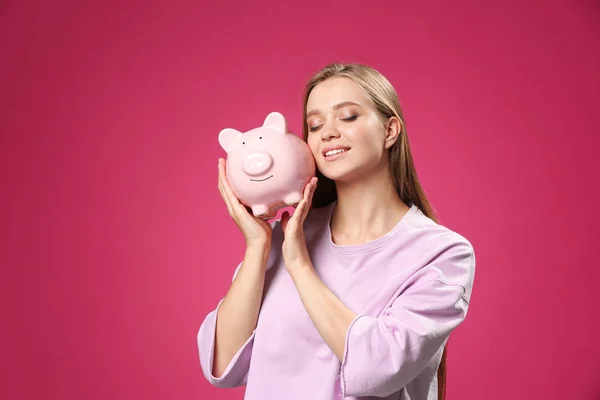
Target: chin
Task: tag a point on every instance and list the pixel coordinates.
(341, 174)
(348, 172)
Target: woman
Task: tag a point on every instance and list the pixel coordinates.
(355, 294)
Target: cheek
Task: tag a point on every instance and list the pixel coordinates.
(358, 134)
(312, 144)
(368, 137)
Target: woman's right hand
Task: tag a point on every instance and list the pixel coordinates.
(256, 230)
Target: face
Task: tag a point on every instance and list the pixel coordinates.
(345, 134)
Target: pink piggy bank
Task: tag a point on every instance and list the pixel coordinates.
(267, 167)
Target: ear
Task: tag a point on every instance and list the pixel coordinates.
(393, 129)
(227, 136)
(276, 121)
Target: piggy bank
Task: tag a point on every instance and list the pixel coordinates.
(267, 167)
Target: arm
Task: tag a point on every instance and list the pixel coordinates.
(238, 313)
(380, 355)
(225, 337)
(330, 315)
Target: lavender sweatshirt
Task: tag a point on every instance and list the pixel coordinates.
(411, 289)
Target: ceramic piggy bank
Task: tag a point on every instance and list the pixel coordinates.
(267, 167)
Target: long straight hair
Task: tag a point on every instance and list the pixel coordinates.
(385, 99)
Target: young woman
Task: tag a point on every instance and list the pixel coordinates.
(356, 293)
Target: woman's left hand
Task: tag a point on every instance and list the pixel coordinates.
(295, 252)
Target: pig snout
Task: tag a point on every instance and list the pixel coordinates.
(257, 163)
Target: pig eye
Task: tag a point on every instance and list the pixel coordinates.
(243, 142)
(260, 137)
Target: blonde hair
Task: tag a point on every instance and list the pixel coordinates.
(385, 99)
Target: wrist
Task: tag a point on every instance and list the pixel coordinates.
(258, 249)
(259, 245)
(301, 271)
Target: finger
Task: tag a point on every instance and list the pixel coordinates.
(222, 179)
(238, 208)
(299, 210)
(303, 207)
(311, 194)
(221, 169)
(225, 199)
(222, 174)
(235, 204)
(226, 188)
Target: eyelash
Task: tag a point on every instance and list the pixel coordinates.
(349, 119)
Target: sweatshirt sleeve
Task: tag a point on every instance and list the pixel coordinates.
(383, 354)
(236, 372)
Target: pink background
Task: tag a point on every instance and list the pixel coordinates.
(115, 242)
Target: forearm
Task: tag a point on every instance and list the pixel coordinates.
(238, 313)
(329, 314)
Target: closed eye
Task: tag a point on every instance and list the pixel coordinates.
(349, 119)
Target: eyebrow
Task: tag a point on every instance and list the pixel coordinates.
(336, 107)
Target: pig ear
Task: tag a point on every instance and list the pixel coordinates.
(226, 138)
(276, 121)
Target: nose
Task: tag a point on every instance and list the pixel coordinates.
(257, 163)
(329, 131)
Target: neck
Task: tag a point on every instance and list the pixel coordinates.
(366, 208)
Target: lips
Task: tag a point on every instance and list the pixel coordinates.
(335, 150)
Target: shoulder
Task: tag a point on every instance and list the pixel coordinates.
(446, 255)
(434, 235)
